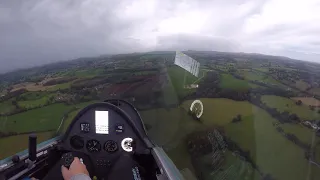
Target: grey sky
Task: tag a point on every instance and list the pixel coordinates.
(35, 32)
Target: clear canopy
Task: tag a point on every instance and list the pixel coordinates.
(216, 115)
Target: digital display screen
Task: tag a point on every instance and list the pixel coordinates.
(85, 127)
(102, 122)
(119, 128)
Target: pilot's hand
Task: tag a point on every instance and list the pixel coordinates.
(76, 168)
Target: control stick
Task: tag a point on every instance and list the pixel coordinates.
(32, 147)
(67, 159)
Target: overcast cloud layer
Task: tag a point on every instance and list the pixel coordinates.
(35, 32)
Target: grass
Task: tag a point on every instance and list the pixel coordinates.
(179, 77)
(165, 123)
(302, 85)
(317, 152)
(6, 107)
(169, 94)
(88, 72)
(46, 118)
(72, 114)
(11, 145)
(169, 128)
(42, 119)
(181, 157)
(60, 86)
(280, 103)
(304, 134)
(253, 76)
(35, 103)
(308, 101)
(144, 73)
(28, 96)
(222, 68)
(233, 168)
(260, 76)
(229, 82)
(83, 73)
(273, 153)
(262, 69)
(315, 91)
(35, 99)
(69, 119)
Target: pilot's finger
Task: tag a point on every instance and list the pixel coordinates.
(76, 160)
(64, 171)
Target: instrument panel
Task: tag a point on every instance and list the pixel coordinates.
(103, 134)
(100, 130)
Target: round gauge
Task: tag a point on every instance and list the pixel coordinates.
(110, 146)
(126, 144)
(77, 142)
(196, 108)
(93, 145)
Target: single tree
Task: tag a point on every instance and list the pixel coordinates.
(311, 108)
(299, 102)
(14, 103)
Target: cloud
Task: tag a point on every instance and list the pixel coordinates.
(36, 32)
(195, 42)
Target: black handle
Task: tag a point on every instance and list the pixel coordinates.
(32, 147)
(67, 159)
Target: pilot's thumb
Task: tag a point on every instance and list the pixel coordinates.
(65, 172)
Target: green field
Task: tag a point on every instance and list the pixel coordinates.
(34, 99)
(36, 102)
(302, 85)
(229, 82)
(144, 73)
(262, 69)
(6, 107)
(169, 94)
(304, 134)
(169, 128)
(88, 72)
(179, 78)
(165, 124)
(269, 149)
(11, 145)
(273, 153)
(234, 168)
(280, 103)
(60, 86)
(81, 73)
(42, 119)
(261, 77)
(315, 91)
(69, 119)
(73, 113)
(28, 96)
(252, 75)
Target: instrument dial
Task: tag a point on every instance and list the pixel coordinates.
(110, 146)
(93, 146)
(77, 142)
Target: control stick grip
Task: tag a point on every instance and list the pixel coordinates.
(67, 159)
(32, 147)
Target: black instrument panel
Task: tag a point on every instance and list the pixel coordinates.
(96, 151)
(83, 135)
(103, 148)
